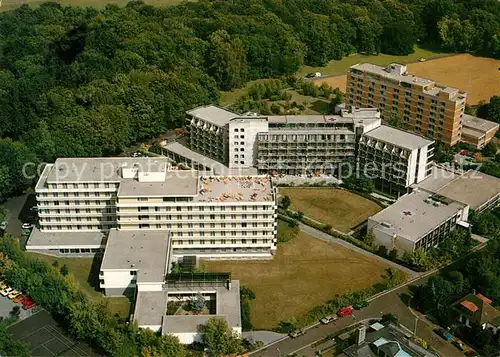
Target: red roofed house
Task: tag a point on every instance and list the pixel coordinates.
(476, 308)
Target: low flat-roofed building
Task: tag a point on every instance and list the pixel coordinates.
(395, 157)
(151, 308)
(477, 132)
(420, 219)
(476, 189)
(134, 259)
(81, 244)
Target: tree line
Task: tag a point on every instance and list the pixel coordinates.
(85, 82)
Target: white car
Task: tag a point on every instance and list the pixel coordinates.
(3, 225)
(6, 292)
(27, 226)
(327, 319)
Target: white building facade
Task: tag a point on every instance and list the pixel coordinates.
(80, 200)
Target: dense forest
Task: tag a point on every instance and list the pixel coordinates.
(85, 82)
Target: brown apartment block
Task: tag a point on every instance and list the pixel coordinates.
(425, 107)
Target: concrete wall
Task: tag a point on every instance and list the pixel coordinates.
(389, 241)
(150, 286)
(128, 291)
(117, 279)
(422, 164)
(244, 141)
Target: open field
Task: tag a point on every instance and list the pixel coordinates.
(341, 66)
(99, 4)
(304, 273)
(478, 76)
(340, 208)
(81, 269)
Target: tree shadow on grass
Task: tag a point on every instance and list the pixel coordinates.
(320, 106)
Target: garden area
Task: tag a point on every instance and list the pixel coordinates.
(305, 273)
(341, 209)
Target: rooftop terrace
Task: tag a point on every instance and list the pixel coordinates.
(235, 189)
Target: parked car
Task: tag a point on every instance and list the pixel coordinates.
(463, 347)
(3, 225)
(13, 294)
(327, 319)
(360, 304)
(422, 59)
(345, 311)
(27, 226)
(28, 303)
(6, 291)
(297, 333)
(443, 333)
(19, 298)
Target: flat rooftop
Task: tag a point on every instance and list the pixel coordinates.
(146, 251)
(106, 169)
(216, 167)
(227, 307)
(235, 189)
(411, 217)
(179, 183)
(472, 188)
(213, 114)
(150, 308)
(475, 123)
(406, 78)
(398, 137)
(44, 240)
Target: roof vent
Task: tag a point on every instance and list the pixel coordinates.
(437, 204)
(428, 200)
(132, 265)
(386, 224)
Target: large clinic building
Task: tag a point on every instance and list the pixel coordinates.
(425, 106)
(208, 216)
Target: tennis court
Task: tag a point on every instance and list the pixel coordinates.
(46, 338)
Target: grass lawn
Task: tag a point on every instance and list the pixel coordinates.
(341, 66)
(342, 209)
(82, 270)
(99, 4)
(305, 272)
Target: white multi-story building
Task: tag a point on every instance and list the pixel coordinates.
(395, 158)
(80, 200)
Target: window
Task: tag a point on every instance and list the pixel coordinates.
(254, 241)
(242, 136)
(243, 224)
(243, 241)
(212, 216)
(242, 130)
(133, 272)
(223, 241)
(235, 130)
(212, 241)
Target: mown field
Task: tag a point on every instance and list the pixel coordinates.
(305, 272)
(478, 76)
(342, 209)
(99, 4)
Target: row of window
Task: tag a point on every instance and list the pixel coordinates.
(80, 250)
(83, 185)
(222, 241)
(204, 208)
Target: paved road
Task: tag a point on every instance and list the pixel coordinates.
(393, 301)
(316, 233)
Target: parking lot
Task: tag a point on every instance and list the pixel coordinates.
(6, 306)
